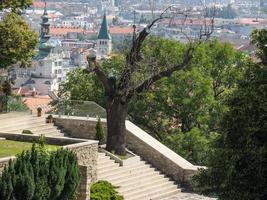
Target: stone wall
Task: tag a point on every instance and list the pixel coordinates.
(140, 143)
(87, 153)
(78, 128)
(4, 162)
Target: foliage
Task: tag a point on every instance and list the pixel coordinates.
(27, 132)
(15, 5)
(238, 167)
(35, 175)
(17, 41)
(195, 146)
(259, 38)
(99, 131)
(103, 190)
(88, 89)
(16, 103)
(193, 97)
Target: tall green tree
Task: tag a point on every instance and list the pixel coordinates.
(193, 97)
(17, 41)
(238, 166)
(259, 38)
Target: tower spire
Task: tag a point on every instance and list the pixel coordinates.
(44, 47)
(104, 32)
(45, 9)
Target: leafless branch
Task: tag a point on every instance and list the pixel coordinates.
(148, 82)
(95, 67)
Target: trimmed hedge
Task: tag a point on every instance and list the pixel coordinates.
(103, 190)
(39, 175)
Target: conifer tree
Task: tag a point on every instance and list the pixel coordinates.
(99, 131)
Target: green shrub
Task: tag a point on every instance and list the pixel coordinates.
(99, 131)
(37, 175)
(27, 132)
(103, 190)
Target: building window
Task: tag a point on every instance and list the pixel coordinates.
(55, 71)
(41, 63)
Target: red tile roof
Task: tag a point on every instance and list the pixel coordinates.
(38, 4)
(113, 30)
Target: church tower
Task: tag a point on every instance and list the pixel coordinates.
(44, 47)
(104, 43)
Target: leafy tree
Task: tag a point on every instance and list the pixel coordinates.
(238, 166)
(259, 38)
(81, 86)
(143, 65)
(193, 97)
(17, 41)
(195, 146)
(15, 5)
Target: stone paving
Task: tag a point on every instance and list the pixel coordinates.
(189, 196)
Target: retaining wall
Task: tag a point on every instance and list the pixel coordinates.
(140, 143)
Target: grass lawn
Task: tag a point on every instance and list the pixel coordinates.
(12, 148)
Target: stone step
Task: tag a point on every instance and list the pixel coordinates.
(153, 193)
(146, 182)
(13, 115)
(131, 177)
(136, 179)
(20, 118)
(33, 128)
(121, 171)
(104, 161)
(12, 123)
(165, 186)
(108, 167)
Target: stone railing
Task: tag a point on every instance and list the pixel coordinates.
(140, 143)
(86, 151)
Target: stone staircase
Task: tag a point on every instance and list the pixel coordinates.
(136, 179)
(17, 122)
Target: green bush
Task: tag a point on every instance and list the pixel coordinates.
(99, 131)
(37, 175)
(194, 146)
(27, 132)
(103, 190)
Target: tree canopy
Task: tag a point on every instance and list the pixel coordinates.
(180, 108)
(17, 40)
(15, 5)
(237, 167)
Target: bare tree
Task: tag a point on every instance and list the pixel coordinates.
(122, 91)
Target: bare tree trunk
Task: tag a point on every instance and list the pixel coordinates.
(116, 116)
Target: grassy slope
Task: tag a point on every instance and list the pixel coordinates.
(12, 148)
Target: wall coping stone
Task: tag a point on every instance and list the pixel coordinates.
(6, 159)
(158, 146)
